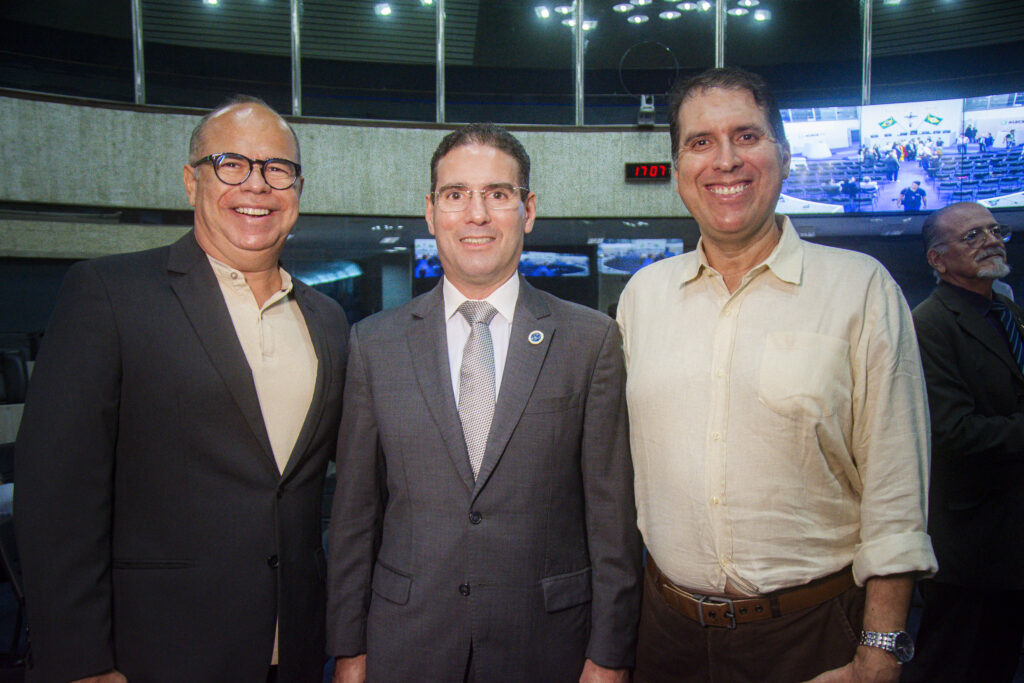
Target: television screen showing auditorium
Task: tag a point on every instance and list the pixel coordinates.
(912, 156)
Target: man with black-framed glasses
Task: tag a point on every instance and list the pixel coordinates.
(180, 418)
(973, 355)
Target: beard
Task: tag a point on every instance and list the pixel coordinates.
(997, 268)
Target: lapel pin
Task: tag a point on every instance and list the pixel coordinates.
(536, 337)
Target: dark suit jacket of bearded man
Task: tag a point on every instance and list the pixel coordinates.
(976, 399)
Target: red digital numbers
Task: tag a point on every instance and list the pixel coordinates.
(647, 171)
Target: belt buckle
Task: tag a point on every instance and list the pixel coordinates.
(712, 601)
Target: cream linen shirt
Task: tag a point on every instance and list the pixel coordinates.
(280, 353)
(780, 432)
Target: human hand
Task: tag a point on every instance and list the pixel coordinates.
(350, 669)
(869, 665)
(112, 676)
(594, 673)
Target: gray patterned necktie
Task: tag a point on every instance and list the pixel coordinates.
(476, 380)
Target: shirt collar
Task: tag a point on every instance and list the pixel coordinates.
(503, 298)
(236, 278)
(786, 260)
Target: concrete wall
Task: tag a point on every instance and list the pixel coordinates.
(78, 155)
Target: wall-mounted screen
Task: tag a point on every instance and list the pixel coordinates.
(626, 256)
(912, 156)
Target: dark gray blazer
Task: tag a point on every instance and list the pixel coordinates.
(976, 400)
(537, 562)
(156, 533)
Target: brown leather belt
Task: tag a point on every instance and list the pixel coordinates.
(722, 612)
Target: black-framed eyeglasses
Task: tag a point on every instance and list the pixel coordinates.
(235, 169)
(975, 237)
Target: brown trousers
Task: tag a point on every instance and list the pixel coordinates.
(786, 649)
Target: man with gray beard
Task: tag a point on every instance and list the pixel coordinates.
(972, 352)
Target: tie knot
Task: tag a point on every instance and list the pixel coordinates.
(477, 311)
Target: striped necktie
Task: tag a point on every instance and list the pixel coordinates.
(1013, 334)
(476, 381)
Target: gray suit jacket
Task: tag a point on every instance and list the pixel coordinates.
(156, 533)
(535, 564)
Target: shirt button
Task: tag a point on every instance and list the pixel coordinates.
(727, 312)
(715, 500)
(719, 372)
(475, 517)
(715, 436)
(273, 562)
(234, 276)
(464, 589)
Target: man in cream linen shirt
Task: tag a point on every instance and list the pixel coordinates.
(778, 425)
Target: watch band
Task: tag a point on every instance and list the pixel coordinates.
(897, 643)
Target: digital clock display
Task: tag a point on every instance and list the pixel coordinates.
(656, 172)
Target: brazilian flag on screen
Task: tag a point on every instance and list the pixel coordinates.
(888, 123)
(933, 119)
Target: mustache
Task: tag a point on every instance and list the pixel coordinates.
(991, 251)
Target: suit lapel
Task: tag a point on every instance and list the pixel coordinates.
(975, 325)
(523, 364)
(428, 349)
(193, 282)
(324, 372)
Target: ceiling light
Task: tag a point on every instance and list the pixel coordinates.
(637, 19)
(641, 3)
(762, 15)
(704, 5)
(568, 22)
(210, 2)
(563, 9)
(622, 7)
(426, 3)
(890, 2)
(748, 3)
(542, 12)
(738, 11)
(687, 6)
(589, 24)
(382, 9)
(670, 14)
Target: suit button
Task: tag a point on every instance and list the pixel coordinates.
(475, 517)
(273, 562)
(464, 589)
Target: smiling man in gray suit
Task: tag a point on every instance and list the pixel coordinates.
(484, 527)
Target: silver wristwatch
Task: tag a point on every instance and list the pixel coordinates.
(898, 643)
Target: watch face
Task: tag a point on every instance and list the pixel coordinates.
(903, 647)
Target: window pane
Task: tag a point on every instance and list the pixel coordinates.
(198, 53)
(68, 47)
(362, 60)
(937, 50)
(506, 63)
(809, 51)
(642, 50)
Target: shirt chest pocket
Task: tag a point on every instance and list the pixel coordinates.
(805, 374)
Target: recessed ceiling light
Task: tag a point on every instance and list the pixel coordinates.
(687, 6)
(622, 7)
(568, 22)
(891, 2)
(762, 15)
(670, 14)
(748, 3)
(738, 11)
(589, 24)
(704, 5)
(641, 3)
(563, 9)
(542, 12)
(210, 2)
(382, 9)
(637, 18)
(426, 3)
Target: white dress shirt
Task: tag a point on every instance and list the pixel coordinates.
(504, 301)
(779, 432)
